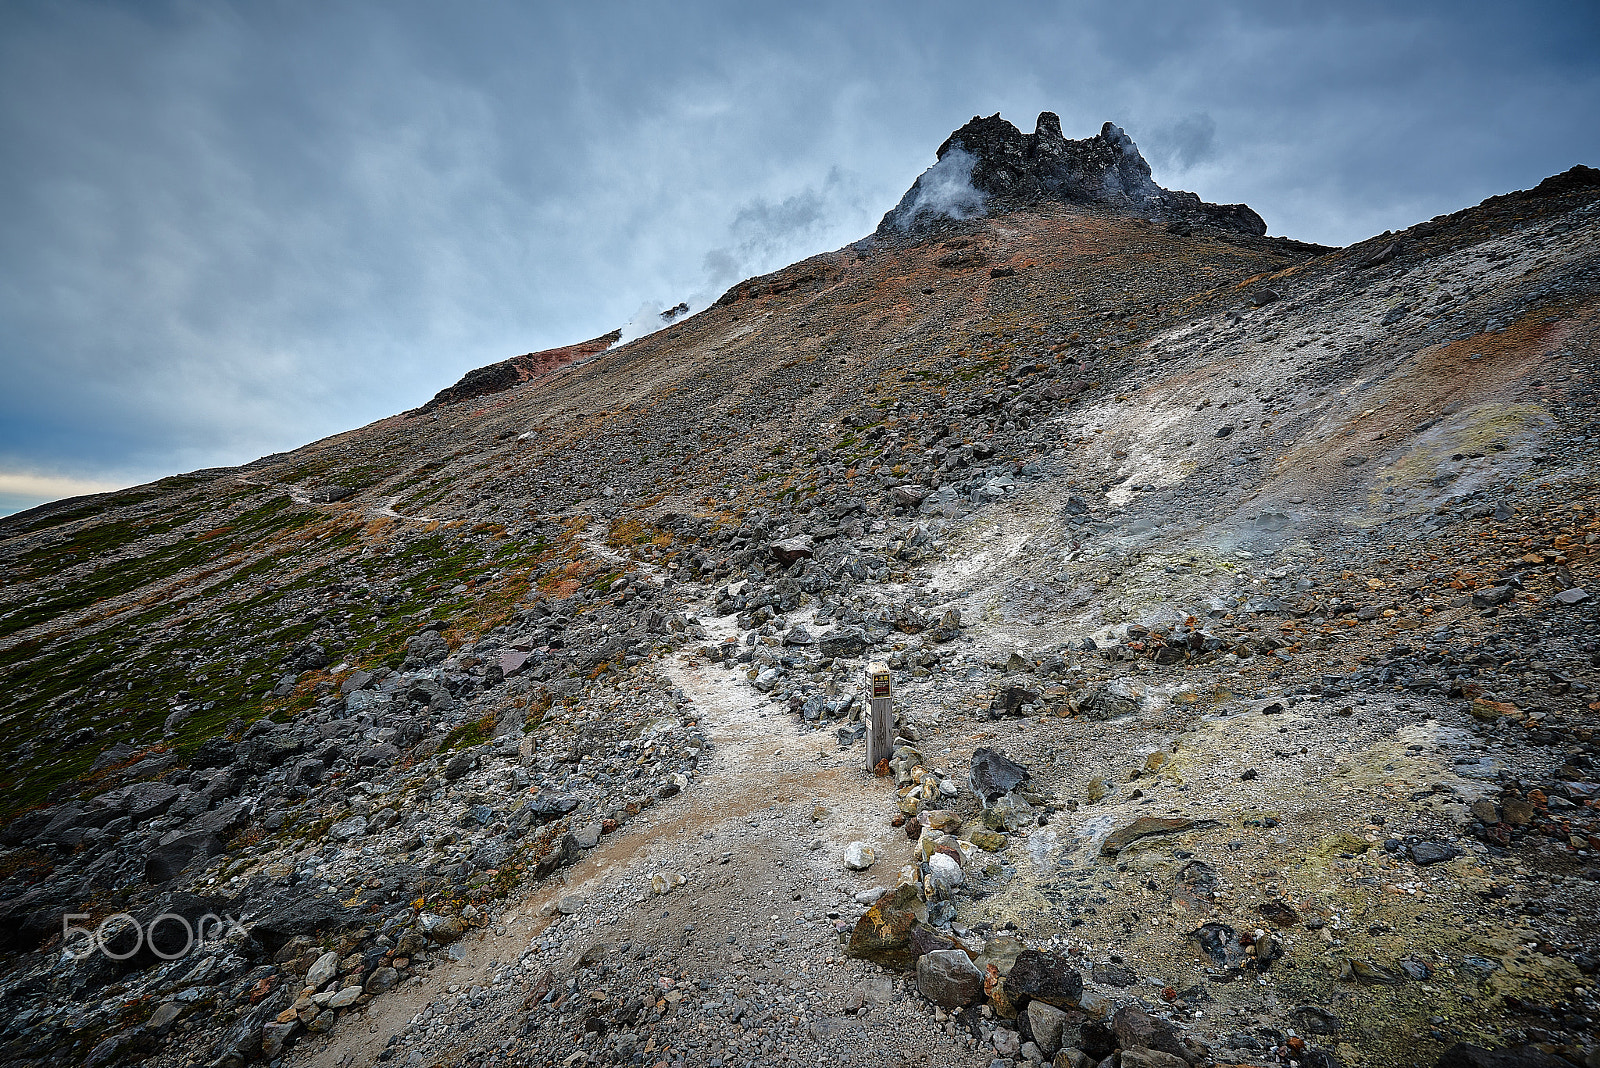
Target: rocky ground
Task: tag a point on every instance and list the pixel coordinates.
(1240, 597)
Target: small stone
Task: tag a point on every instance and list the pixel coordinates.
(382, 980)
(1151, 1058)
(944, 871)
(1493, 597)
(908, 496)
(442, 929)
(994, 774)
(274, 1036)
(459, 765)
(345, 829)
(858, 856)
(1485, 811)
(1426, 853)
(1463, 1055)
(1356, 970)
(664, 882)
(788, 550)
(990, 841)
(164, 1015)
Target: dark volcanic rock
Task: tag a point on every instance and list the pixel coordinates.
(995, 774)
(842, 641)
(30, 918)
(1465, 1055)
(507, 374)
(173, 855)
(1008, 168)
(1047, 977)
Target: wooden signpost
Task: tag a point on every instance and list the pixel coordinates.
(880, 715)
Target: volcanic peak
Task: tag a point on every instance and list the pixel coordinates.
(990, 165)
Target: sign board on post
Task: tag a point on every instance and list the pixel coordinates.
(880, 715)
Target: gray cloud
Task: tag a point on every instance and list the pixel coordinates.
(1183, 143)
(766, 234)
(226, 230)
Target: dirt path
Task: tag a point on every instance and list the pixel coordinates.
(763, 825)
(386, 510)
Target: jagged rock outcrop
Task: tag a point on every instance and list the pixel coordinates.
(989, 165)
(508, 374)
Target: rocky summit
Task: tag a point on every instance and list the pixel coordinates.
(1239, 595)
(989, 162)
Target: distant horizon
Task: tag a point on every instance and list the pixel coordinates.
(232, 231)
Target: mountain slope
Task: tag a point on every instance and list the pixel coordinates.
(1290, 548)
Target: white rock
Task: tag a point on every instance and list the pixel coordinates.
(943, 870)
(858, 856)
(325, 968)
(347, 996)
(664, 882)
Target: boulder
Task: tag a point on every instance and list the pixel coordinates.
(994, 774)
(1466, 1055)
(947, 977)
(1111, 700)
(1145, 827)
(1041, 976)
(883, 935)
(842, 642)
(1045, 1022)
(169, 858)
(787, 550)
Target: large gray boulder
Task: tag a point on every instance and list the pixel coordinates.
(947, 977)
(994, 774)
(842, 641)
(1046, 1022)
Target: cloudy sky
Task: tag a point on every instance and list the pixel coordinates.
(230, 229)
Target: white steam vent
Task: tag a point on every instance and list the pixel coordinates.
(945, 189)
(652, 317)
